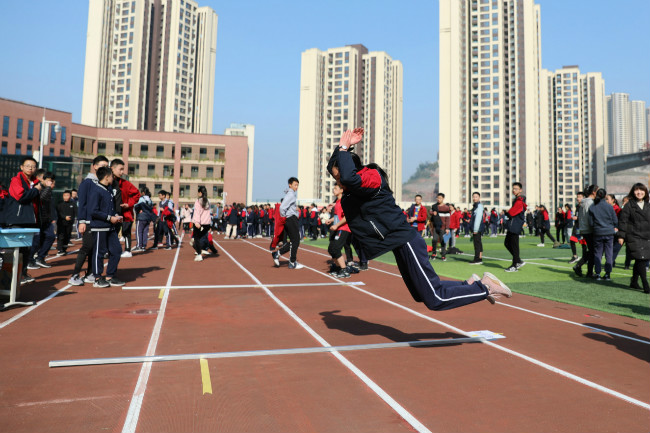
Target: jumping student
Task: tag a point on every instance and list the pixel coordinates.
(516, 218)
(86, 188)
(289, 211)
(144, 216)
(476, 225)
(126, 195)
(201, 219)
(371, 212)
(104, 223)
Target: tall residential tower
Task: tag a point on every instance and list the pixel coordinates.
(490, 64)
(343, 88)
(150, 65)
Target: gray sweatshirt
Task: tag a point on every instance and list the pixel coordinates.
(586, 226)
(288, 205)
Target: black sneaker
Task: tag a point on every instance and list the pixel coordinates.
(32, 265)
(574, 260)
(363, 266)
(520, 265)
(511, 269)
(597, 277)
(42, 263)
(168, 247)
(101, 282)
(352, 269)
(476, 262)
(343, 273)
(578, 271)
(27, 279)
(607, 278)
(115, 282)
(334, 270)
(276, 258)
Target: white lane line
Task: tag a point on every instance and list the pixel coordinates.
(520, 308)
(417, 425)
(33, 307)
(496, 346)
(239, 286)
(133, 414)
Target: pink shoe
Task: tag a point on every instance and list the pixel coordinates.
(495, 287)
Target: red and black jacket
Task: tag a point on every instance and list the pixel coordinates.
(23, 203)
(517, 215)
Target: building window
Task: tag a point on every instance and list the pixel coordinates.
(133, 169)
(18, 149)
(209, 172)
(29, 149)
(63, 135)
(160, 151)
(119, 148)
(51, 151)
(195, 171)
(5, 126)
(30, 130)
(151, 170)
(101, 147)
(144, 150)
(19, 128)
(62, 152)
(52, 134)
(5, 148)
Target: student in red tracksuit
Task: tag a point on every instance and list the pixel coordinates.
(128, 197)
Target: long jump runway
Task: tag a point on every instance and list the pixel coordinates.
(559, 368)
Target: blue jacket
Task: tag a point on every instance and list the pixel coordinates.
(100, 208)
(85, 189)
(144, 210)
(602, 218)
(476, 223)
(370, 209)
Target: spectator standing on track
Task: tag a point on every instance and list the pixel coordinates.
(289, 211)
(104, 224)
(201, 219)
(48, 219)
(587, 232)
(126, 195)
(515, 224)
(603, 219)
(186, 218)
(417, 215)
(67, 213)
(476, 225)
(634, 230)
(371, 212)
(86, 188)
(22, 206)
(144, 216)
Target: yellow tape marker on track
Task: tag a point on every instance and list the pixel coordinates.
(205, 377)
(162, 293)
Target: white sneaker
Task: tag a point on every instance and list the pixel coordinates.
(540, 245)
(205, 252)
(198, 258)
(126, 254)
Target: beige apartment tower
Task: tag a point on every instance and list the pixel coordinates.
(489, 111)
(574, 108)
(150, 65)
(343, 88)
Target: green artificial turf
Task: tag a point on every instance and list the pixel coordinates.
(547, 275)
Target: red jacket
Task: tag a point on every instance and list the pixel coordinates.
(130, 196)
(454, 221)
(19, 193)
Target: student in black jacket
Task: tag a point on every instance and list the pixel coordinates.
(104, 221)
(371, 213)
(67, 212)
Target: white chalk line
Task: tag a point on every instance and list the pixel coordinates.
(417, 425)
(498, 347)
(133, 413)
(236, 286)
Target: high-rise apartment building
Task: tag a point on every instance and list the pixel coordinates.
(490, 64)
(343, 88)
(638, 135)
(573, 106)
(647, 127)
(150, 65)
(619, 123)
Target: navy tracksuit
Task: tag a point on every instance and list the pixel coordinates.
(100, 208)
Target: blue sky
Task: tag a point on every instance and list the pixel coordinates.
(258, 61)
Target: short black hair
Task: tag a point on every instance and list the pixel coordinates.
(580, 193)
(39, 172)
(28, 158)
(518, 184)
(49, 175)
(73, 190)
(99, 158)
(67, 191)
(116, 162)
(477, 193)
(418, 195)
(292, 180)
(102, 172)
(162, 192)
(441, 195)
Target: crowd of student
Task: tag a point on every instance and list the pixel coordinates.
(599, 225)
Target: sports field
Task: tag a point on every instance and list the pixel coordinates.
(547, 275)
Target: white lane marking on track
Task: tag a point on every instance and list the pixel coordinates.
(241, 286)
(33, 307)
(496, 346)
(417, 425)
(522, 309)
(133, 414)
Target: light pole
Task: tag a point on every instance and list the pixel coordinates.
(46, 127)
